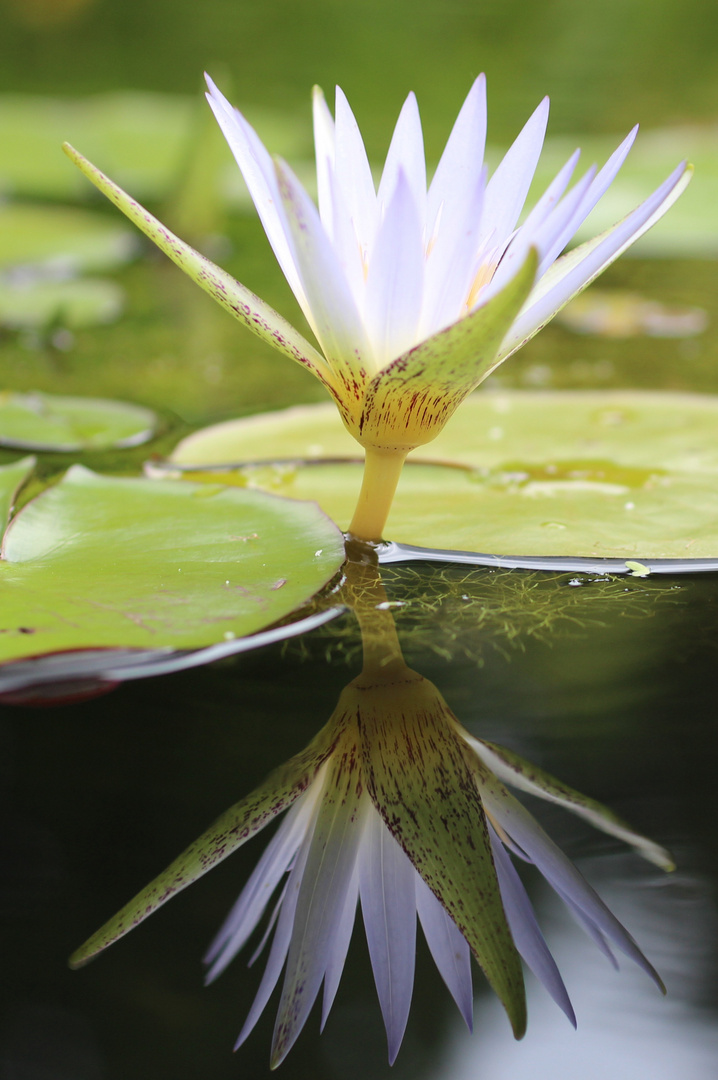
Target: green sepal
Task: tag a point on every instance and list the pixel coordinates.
(239, 301)
(410, 400)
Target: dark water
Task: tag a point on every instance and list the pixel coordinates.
(618, 698)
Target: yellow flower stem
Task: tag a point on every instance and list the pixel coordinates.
(382, 469)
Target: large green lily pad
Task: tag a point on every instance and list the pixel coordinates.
(61, 239)
(12, 477)
(610, 474)
(49, 422)
(110, 562)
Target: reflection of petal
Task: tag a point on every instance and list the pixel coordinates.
(558, 870)
(387, 891)
(448, 947)
(525, 930)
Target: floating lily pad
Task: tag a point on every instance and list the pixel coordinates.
(618, 314)
(45, 422)
(142, 140)
(35, 304)
(113, 562)
(620, 474)
(61, 240)
(12, 477)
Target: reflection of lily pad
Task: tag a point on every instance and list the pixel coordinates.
(44, 422)
(62, 240)
(615, 474)
(97, 562)
(36, 304)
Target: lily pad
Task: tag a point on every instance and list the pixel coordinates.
(629, 475)
(35, 304)
(99, 562)
(61, 240)
(143, 139)
(12, 477)
(46, 422)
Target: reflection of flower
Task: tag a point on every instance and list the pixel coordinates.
(415, 295)
(336, 848)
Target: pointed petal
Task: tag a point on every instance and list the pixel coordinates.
(394, 287)
(262, 884)
(256, 167)
(256, 315)
(333, 314)
(324, 154)
(408, 403)
(558, 870)
(281, 940)
(386, 888)
(462, 161)
(524, 775)
(420, 783)
(448, 947)
(451, 260)
(321, 904)
(570, 274)
(339, 948)
(525, 930)
(507, 189)
(406, 155)
(229, 832)
(353, 175)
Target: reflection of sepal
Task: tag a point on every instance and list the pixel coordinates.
(421, 785)
(227, 834)
(524, 775)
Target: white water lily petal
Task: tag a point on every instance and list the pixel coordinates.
(395, 281)
(525, 929)
(507, 189)
(405, 156)
(448, 947)
(257, 168)
(462, 162)
(324, 157)
(388, 901)
(524, 775)
(542, 236)
(589, 927)
(353, 175)
(559, 871)
(570, 274)
(334, 317)
(451, 260)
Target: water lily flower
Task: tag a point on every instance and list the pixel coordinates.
(415, 294)
(395, 807)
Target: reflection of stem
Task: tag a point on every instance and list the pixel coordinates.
(366, 595)
(382, 469)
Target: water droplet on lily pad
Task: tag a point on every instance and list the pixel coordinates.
(38, 421)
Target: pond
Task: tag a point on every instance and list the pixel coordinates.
(605, 683)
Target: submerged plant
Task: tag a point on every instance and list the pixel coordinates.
(414, 294)
(393, 805)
